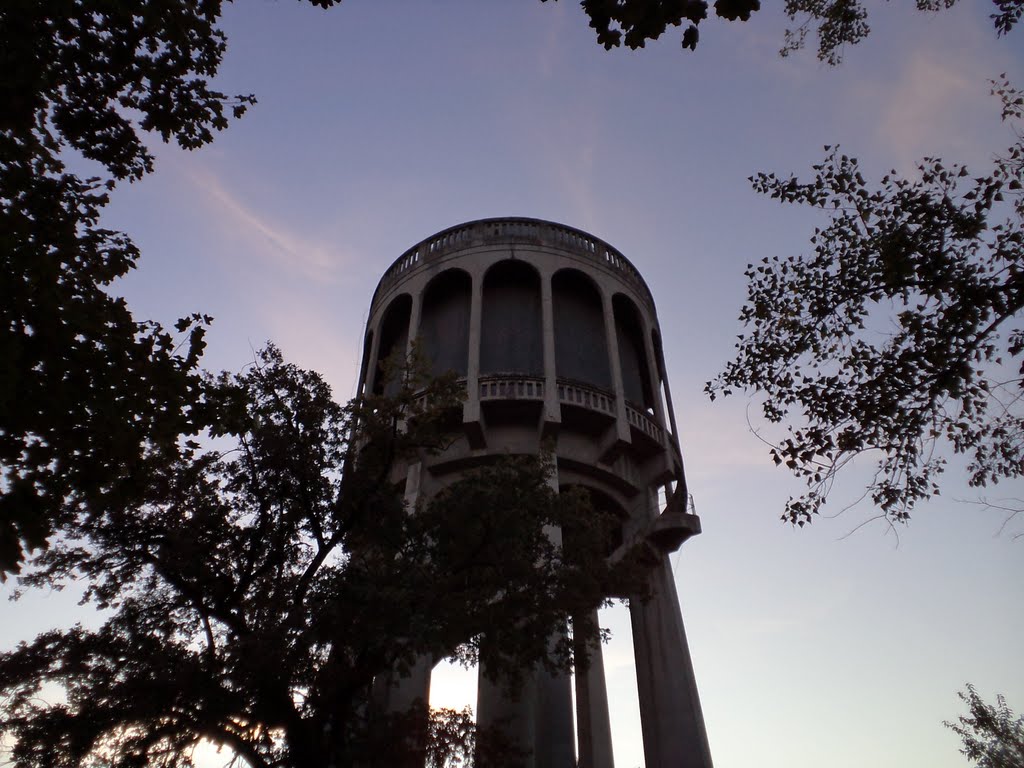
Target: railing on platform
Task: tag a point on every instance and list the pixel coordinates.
(533, 231)
(510, 387)
(575, 393)
(644, 423)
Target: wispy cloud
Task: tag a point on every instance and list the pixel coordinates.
(925, 106)
(936, 103)
(269, 239)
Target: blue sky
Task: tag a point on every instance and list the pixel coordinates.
(380, 123)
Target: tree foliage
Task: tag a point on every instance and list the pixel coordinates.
(835, 23)
(993, 736)
(253, 596)
(838, 23)
(900, 331)
(85, 386)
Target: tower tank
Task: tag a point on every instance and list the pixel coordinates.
(556, 336)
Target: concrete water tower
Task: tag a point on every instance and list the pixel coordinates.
(556, 335)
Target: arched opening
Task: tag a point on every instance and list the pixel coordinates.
(394, 338)
(581, 348)
(444, 322)
(511, 333)
(636, 374)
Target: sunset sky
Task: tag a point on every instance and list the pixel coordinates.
(381, 122)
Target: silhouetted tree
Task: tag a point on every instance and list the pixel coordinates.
(835, 23)
(85, 386)
(900, 331)
(254, 595)
(993, 736)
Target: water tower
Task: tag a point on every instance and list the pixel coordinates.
(556, 335)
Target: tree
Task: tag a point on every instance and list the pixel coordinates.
(899, 332)
(836, 23)
(85, 385)
(993, 736)
(255, 595)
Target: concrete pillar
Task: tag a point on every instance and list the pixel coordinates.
(663, 375)
(654, 370)
(619, 437)
(552, 407)
(513, 713)
(471, 418)
(372, 367)
(670, 713)
(555, 742)
(592, 719)
(414, 322)
(399, 693)
(537, 718)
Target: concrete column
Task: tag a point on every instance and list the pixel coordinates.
(513, 714)
(537, 718)
(555, 742)
(412, 486)
(620, 436)
(668, 392)
(399, 693)
(372, 367)
(655, 373)
(670, 713)
(552, 408)
(414, 321)
(592, 719)
(671, 410)
(471, 418)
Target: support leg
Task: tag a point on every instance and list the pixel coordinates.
(592, 719)
(673, 724)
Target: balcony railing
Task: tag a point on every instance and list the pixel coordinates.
(575, 393)
(644, 423)
(511, 388)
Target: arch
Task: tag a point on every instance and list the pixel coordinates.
(511, 333)
(581, 348)
(394, 338)
(636, 373)
(444, 322)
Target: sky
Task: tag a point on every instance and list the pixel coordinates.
(380, 123)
